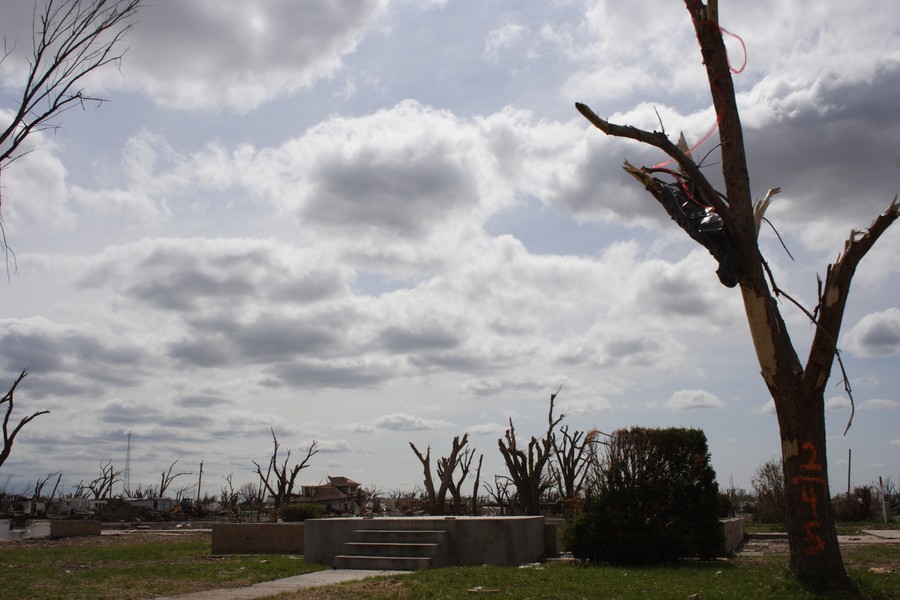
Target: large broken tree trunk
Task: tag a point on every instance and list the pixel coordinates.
(797, 390)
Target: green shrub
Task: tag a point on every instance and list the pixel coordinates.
(656, 501)
(300, 512)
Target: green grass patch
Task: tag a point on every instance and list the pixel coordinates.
(756, 578)
(170, 566)
(132, 570)
(559, 581)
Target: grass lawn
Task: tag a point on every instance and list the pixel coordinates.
(129, 567)
(875, 569)
(146, 566)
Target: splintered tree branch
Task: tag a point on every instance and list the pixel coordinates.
(833, 296)
(661, 141)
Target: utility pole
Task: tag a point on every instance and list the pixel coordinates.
(199, 481)
(849, 460)
(127, 490)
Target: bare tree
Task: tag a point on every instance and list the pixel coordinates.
(797, 389)
(231, 498)
(10, 436)
(436, 498)
(282, 488)
(502, 493)
(167, 478)
(569, 466)
(528, 467)
(43, 481)
(463, 465)
(39, 486)
(101, 487)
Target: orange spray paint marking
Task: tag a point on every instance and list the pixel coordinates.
(815, 544)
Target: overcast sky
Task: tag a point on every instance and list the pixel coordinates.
(369, 223)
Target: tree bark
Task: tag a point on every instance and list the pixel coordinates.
(815, 554)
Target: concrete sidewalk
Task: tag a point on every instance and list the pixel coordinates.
(288, 584)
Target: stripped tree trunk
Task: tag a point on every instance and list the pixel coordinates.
(797, 390)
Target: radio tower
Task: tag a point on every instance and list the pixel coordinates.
(127, 489)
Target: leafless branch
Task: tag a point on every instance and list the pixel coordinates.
(72, 38)
(9, 401)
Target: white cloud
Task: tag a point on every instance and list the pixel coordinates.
(487, 429)
(587, 407)
(503, 38)
(212, 54)
(837, 403)
(405, 422)
(330, 446)
(692, 400)
(34, 189)
(880, 404)
(876, 334)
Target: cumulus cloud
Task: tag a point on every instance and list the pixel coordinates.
(71, 358)
(880, 404)
(837, 403)
(405, 422)
(876, 334)
(233, 54)
(205, 274)
(34, 186)
(502, 38)
(331, 446)
(491, 429)
(608, 43)
(692, 400)
(592, 406)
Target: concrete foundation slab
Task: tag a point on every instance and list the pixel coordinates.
(471, 540)
(257, 538)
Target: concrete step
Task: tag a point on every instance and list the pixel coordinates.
(401, 536)
(391, 549)
(397, 549)
(381, 563)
